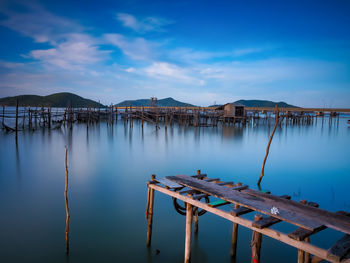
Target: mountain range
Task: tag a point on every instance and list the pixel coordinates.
(66, 99)
(61, 100)
(167, 102)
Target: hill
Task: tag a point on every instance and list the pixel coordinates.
(63, 99)
(167, 102)
(261, 103)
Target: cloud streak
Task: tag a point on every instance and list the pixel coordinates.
(144, 25)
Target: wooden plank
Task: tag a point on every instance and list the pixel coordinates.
(270, 220)
(329, 219)
(339, 249)
(275, 234)
(168, 183)
(293, 212)
(302, 233)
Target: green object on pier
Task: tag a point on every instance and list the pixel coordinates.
(218, 202)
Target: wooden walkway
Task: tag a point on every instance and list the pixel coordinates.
(271, 209)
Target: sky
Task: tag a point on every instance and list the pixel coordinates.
(200, 52)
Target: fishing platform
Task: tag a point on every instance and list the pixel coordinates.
(203, 194)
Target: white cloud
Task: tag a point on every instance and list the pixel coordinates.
(78, 51)
(142, 25)
(137, 48)
(171, 72)
(38, 23)
(130, 70)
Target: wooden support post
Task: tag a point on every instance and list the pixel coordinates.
(149, 212)
(256, 243)
(189, 216)
(301, 253)
(234, 234)
(307, 255)
(196, 213)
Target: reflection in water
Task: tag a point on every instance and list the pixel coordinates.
(66, 199)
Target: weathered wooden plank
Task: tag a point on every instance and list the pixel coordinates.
(339, 249)
(288, 210)
(270, 220)
(168, 183)
(332, 220)
(302, 233)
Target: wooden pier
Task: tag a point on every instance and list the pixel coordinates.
(197, 190)
(32, 118)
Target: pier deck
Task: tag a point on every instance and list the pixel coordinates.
(306, 216)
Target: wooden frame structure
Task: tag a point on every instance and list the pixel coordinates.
(305, 215)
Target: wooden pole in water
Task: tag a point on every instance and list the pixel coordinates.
(189, 217)
(234, 234)
(3, 114)
(256, 243)
(16, 118)
(66, 199)
(196, 213)
(149, 212)
(268, 146)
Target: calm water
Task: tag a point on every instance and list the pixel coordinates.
(108, 171)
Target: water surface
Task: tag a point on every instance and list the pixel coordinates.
(109, 166)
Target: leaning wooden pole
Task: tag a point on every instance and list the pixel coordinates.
(16, 118)
(66, 199)
(149, 212)
(268, 145)
(188, 238)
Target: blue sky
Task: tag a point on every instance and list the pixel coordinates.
(194, 51)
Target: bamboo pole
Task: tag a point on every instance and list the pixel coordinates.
(66, 199)
(268, 146)
(149, 213)
(189, 217)
(256, 243)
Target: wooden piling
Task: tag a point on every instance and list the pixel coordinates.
(189, 217)
(196, 213)
(256, 243)
(16, 118)
(149, 212)
(234, 233)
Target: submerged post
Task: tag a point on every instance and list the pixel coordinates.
(256, 243)
(189, 216)
(149, 212)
